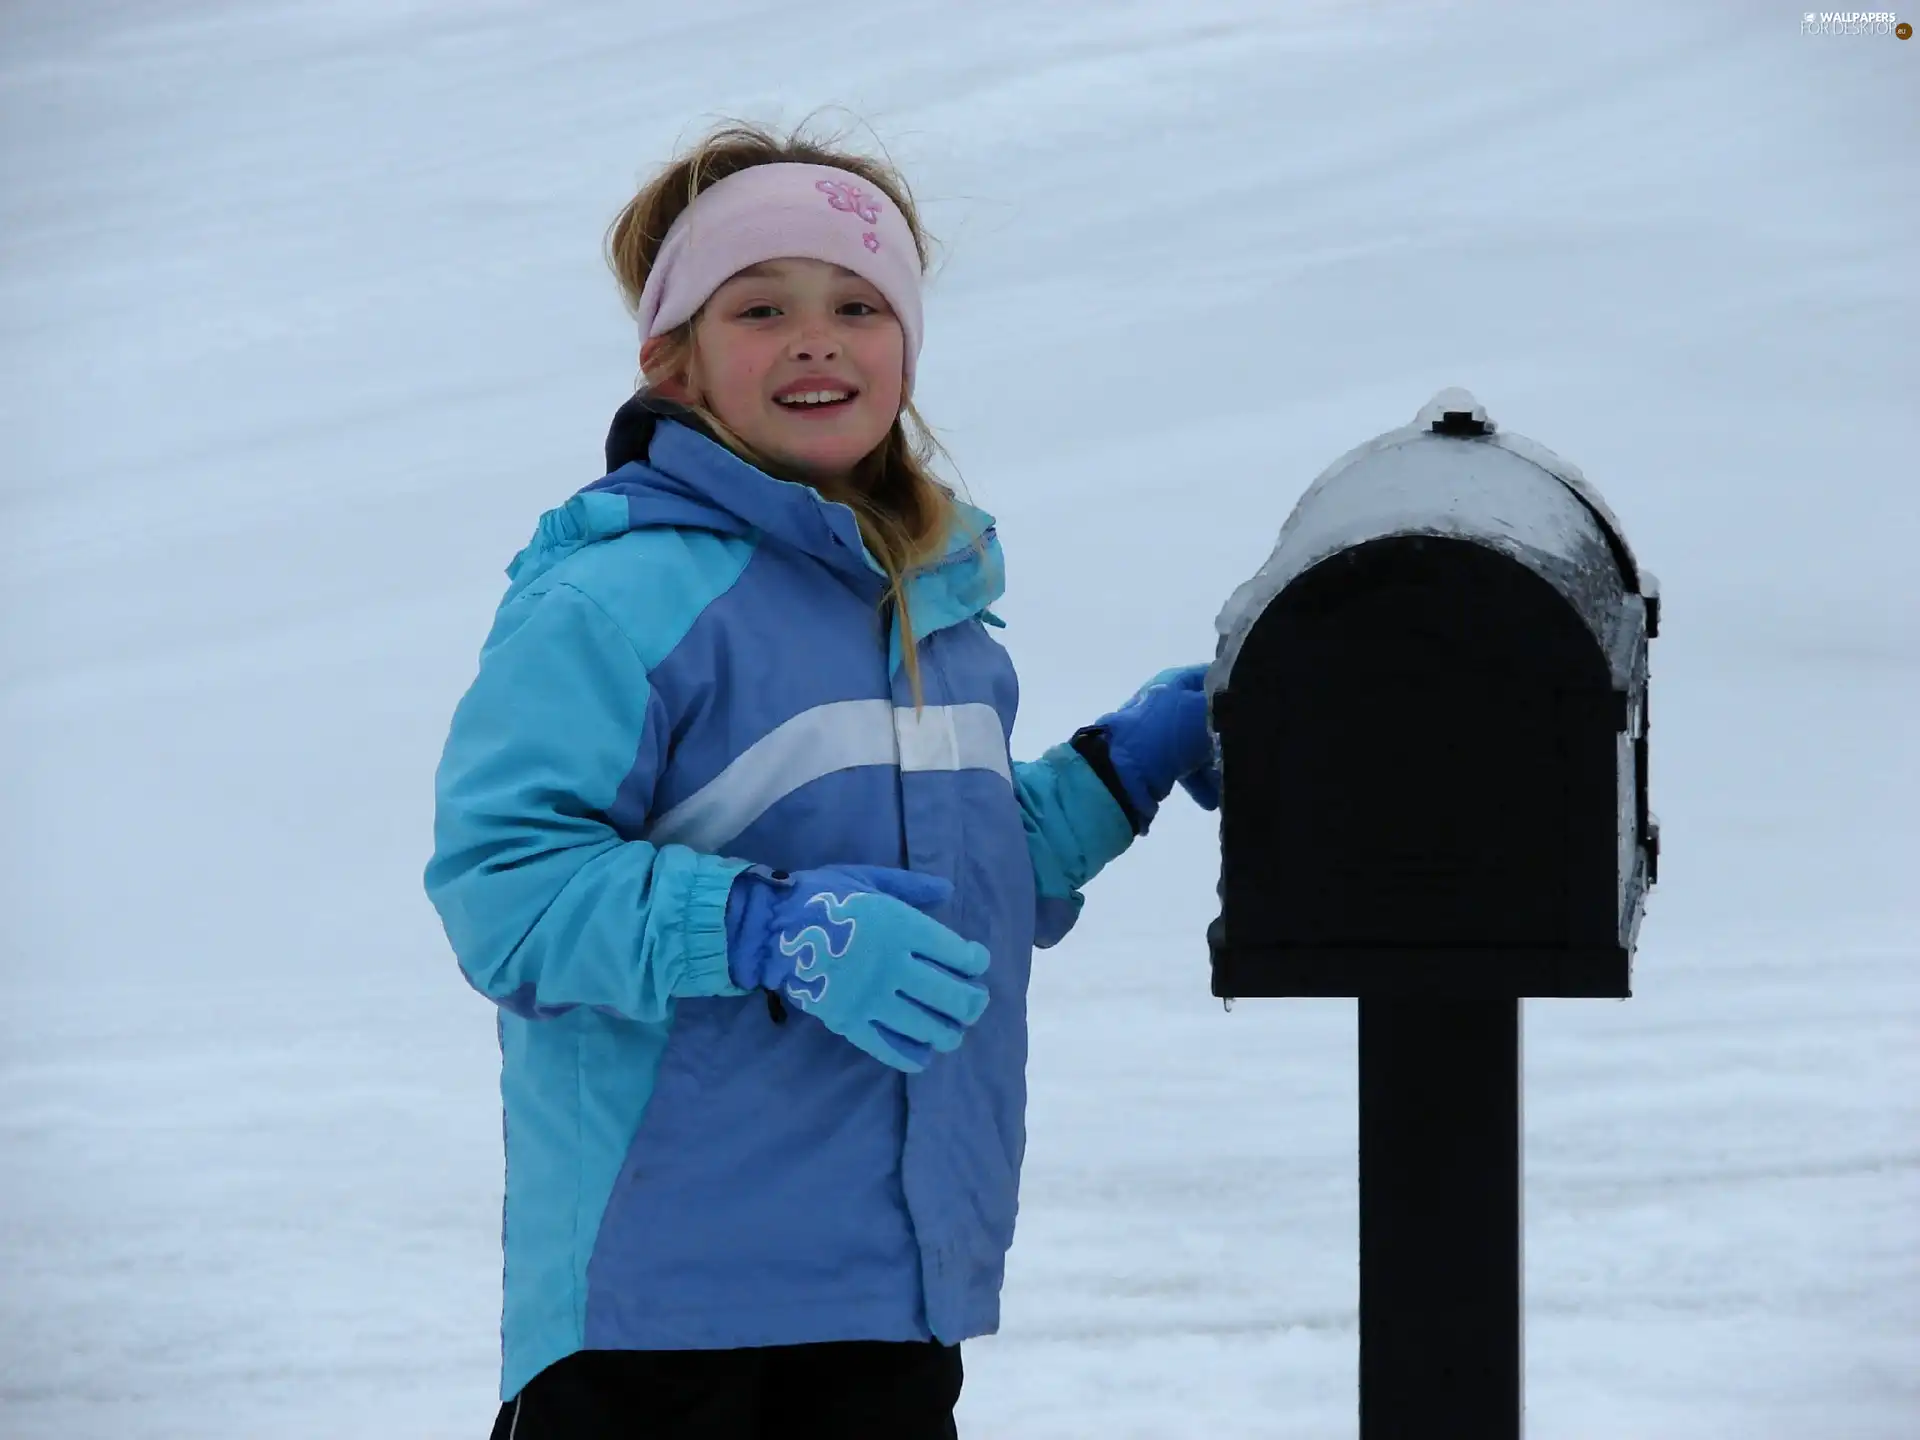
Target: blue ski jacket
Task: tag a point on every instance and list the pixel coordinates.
(688, 674)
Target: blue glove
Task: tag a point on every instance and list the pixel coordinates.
(851, 946)
(1159, 739)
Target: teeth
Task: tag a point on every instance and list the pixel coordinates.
(814, 397)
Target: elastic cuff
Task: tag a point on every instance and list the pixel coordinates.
(705, 971)
(1098, 817)
(1090, 742)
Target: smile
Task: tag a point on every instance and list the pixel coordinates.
(816, 400)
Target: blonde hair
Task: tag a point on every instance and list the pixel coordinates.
(905, 512)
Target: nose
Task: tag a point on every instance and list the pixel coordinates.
(815, 342)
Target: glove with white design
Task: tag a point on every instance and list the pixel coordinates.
(1159, 738)
(851, 946)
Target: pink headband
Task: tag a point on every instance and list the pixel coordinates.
(772, 212)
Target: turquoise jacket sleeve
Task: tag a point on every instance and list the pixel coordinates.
(551, 759)
(1074, 828)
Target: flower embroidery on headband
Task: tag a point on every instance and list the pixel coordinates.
(850, 198)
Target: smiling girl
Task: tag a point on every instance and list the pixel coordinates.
(729, 830)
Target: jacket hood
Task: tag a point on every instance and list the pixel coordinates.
(665, 470)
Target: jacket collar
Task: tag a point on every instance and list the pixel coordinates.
(656, 449)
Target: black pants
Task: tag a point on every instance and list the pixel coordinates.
(846, 1391)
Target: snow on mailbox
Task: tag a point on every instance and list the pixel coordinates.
(1431, 708)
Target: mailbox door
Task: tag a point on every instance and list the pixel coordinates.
(1420, 745)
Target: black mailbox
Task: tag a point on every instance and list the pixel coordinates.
(1431, 706)
(1431, 711)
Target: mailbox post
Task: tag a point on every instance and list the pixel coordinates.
(1431, 711)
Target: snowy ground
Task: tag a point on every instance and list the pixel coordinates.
(302, 321)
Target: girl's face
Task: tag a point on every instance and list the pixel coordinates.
(780, 332)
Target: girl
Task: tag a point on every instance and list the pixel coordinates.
(728, 828)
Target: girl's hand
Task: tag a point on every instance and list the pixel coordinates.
(852, 947)
(1159, 738)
